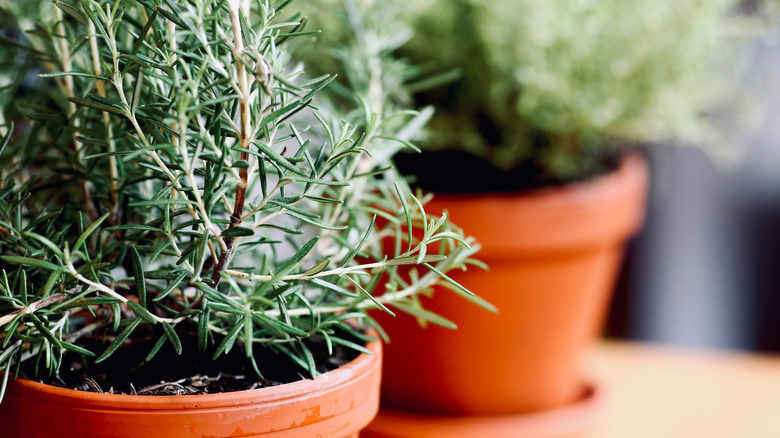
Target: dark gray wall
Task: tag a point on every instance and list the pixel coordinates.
(706, 269)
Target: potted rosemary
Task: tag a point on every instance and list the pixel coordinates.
(527, 152)
(182, 214)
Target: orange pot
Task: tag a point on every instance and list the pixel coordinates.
(553, 257)
(337, 404)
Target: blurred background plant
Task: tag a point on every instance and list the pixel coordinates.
(15, 19)
(560, 83)
(552, 87)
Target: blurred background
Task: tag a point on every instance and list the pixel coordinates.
(705, 270)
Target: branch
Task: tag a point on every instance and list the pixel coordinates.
(244, 138)
(65, 61)
(32, 307)
(101, 89)
(412, 260)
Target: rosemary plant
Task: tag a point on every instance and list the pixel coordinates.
(170, 170)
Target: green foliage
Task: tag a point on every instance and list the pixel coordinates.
(176, 167)
(557, 82)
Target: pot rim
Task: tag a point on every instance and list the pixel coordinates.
(631, 171)
(593, 213)
(332, 380)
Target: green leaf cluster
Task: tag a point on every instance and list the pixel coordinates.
(173, 171)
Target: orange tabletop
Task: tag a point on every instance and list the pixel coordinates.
(655, 391)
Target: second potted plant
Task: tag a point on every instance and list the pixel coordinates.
(534, 134)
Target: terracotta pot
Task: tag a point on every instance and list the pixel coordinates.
(337, 404)
(553, 256)
(571, 421)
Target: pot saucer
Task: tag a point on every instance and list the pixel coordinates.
(571, 421)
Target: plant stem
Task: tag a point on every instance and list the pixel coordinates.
(244, 137)
(65, 62)
(101, 89)
(112, 293)
(32, 307)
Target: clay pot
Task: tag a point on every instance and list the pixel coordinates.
(553, 256)
(337, 404)
(570, 421)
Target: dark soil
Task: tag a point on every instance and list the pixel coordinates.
(193, 372)
(454, 171)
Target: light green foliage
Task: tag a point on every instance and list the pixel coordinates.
(554, 80)
(176, 167)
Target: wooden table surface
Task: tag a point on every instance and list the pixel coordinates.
(662, 392)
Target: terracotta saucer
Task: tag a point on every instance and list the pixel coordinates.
(571, 421)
